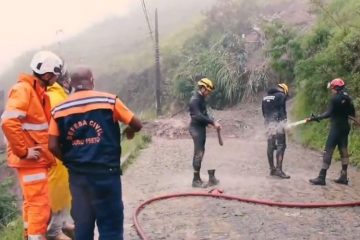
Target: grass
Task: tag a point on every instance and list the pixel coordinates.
(2, 158)
(131, 149)
(13, 231)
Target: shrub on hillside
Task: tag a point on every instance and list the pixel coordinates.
(8, 208)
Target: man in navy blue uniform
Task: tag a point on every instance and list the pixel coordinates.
(85, 135)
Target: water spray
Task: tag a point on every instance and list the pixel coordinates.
(295, 124)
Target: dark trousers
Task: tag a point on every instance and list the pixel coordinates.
(97, 198)
(337, 137)
(198, 134)
(276, 142)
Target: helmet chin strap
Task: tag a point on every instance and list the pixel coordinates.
(45, 82)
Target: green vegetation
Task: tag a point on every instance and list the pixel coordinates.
(282, 49)
(13, 231)
(131, 149)
(7, 202)
(8, 205)
(330, 50)
(217, 51)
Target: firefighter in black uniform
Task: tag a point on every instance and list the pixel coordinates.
(340, 108)
(199, 121)
(274, 112)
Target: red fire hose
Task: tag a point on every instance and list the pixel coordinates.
(218, 195)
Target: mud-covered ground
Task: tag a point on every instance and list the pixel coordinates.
(165, 167)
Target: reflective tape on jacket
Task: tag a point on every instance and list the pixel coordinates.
(81, 102)
(13, 114)
(34, 177)
(35, 126)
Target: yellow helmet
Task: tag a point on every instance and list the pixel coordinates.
(207, 83)
(284, 87)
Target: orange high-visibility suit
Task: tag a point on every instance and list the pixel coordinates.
(25, 125)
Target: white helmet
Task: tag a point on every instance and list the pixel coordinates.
(46, 62)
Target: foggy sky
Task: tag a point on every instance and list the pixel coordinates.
(32, 24)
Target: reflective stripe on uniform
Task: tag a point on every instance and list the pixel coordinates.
(84, 101)
(34, 177)
(26, 225)
(267, 98)
(13, 114)
(35, 127)
(36, 237)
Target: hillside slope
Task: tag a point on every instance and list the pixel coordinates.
(112, 45)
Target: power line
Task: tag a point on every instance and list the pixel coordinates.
(147, 18)
(157, 57)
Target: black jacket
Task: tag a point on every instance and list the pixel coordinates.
(339, 110)
(198, 112)
(274, 106)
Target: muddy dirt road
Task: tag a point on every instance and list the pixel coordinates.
(165, 167)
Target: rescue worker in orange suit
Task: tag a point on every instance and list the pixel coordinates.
(25, 125)
(199, 121)
(274, 112)
(339, 110)
(59, 190)
(85, 134)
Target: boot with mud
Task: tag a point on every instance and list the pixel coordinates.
(343, 179)
(197, 182)
(271, 164)
(270, 156)
(212, 179)
(320, 180)
(279, 172)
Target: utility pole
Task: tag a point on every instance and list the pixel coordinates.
(59, 35)
(157, 67)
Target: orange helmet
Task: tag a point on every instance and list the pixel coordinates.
(336, 84)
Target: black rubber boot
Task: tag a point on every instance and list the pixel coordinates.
(271, 164)
(343, 179)
(320, 180)
(197, 182)
(212, 179)
(279, 172)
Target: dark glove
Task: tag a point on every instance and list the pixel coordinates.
(313, 118)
